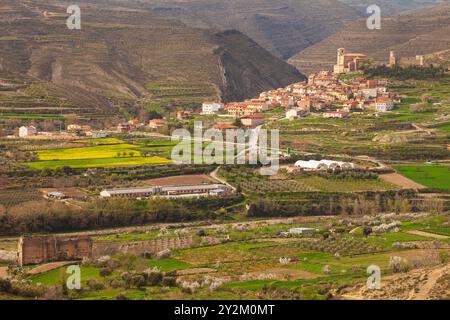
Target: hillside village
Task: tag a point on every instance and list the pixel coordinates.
(324, 93)
(361, 178)
(327, 93)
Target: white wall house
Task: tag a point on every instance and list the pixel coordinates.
(384, 105)
(292, 114)
(307, 231)
(27, 131)
(211, 107)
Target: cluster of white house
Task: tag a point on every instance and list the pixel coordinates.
(314, 165)
(169, 191)
(26, 131)
(212, 107)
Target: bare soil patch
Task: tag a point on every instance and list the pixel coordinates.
(188, 272)
(427, 234)
(283, 273)
(401, 181)
(51, 266)
(181, 180)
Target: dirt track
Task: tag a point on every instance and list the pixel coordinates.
(430, 282)
(427, 234)
(401, 181)
(419, 284)
(51, 266)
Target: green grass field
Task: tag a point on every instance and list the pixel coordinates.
(54, 276)
(346, 185)
(431, 176)
(106, 152)
(98, 163)
(32, 116)
(101, 141)
(169, 264)
(96, 152)
(445, 127)
(439, 225)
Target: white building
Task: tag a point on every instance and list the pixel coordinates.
(306, 231)
(168, 191)
(292, 114)
(384, 104)
(335, 114)
(211, 107)
(27, 131)
(323, 165)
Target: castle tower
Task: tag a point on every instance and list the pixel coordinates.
(420, 60)
(341, 56)
(392, 58)
(339, 67)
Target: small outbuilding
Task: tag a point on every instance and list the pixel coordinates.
(56, 195)
(302, 231)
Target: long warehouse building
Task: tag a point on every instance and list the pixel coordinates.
(145, 192)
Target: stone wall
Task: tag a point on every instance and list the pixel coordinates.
(108, 248)
(35, 250)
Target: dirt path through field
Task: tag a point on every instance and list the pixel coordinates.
(431, 279)
(215, 176)
(51, 266)
(418, 284)
(193, 179)
(427, 234)
(402, 181)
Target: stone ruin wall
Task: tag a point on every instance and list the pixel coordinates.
(35, 250)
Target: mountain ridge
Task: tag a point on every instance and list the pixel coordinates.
(419, 32)
(127, 58)
(283, 27)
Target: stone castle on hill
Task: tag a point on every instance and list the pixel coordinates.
(405, 61)
(352, 62)
(348, 62)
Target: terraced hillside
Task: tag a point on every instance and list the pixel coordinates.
(392, 7)
(283, 27)
(424, 31)
(111, 65)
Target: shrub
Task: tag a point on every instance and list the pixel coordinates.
(367, 231)
(95, 285)
(444, 257)
(121, 296)
(5, 285)
(164, 254)
(153, 278)
(138, 281)
(104, 272)
(399, 264)
(117, 283)
(169, 282)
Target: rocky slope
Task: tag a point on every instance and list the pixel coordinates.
(424, 31)
(432, 283)
(122, 57)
